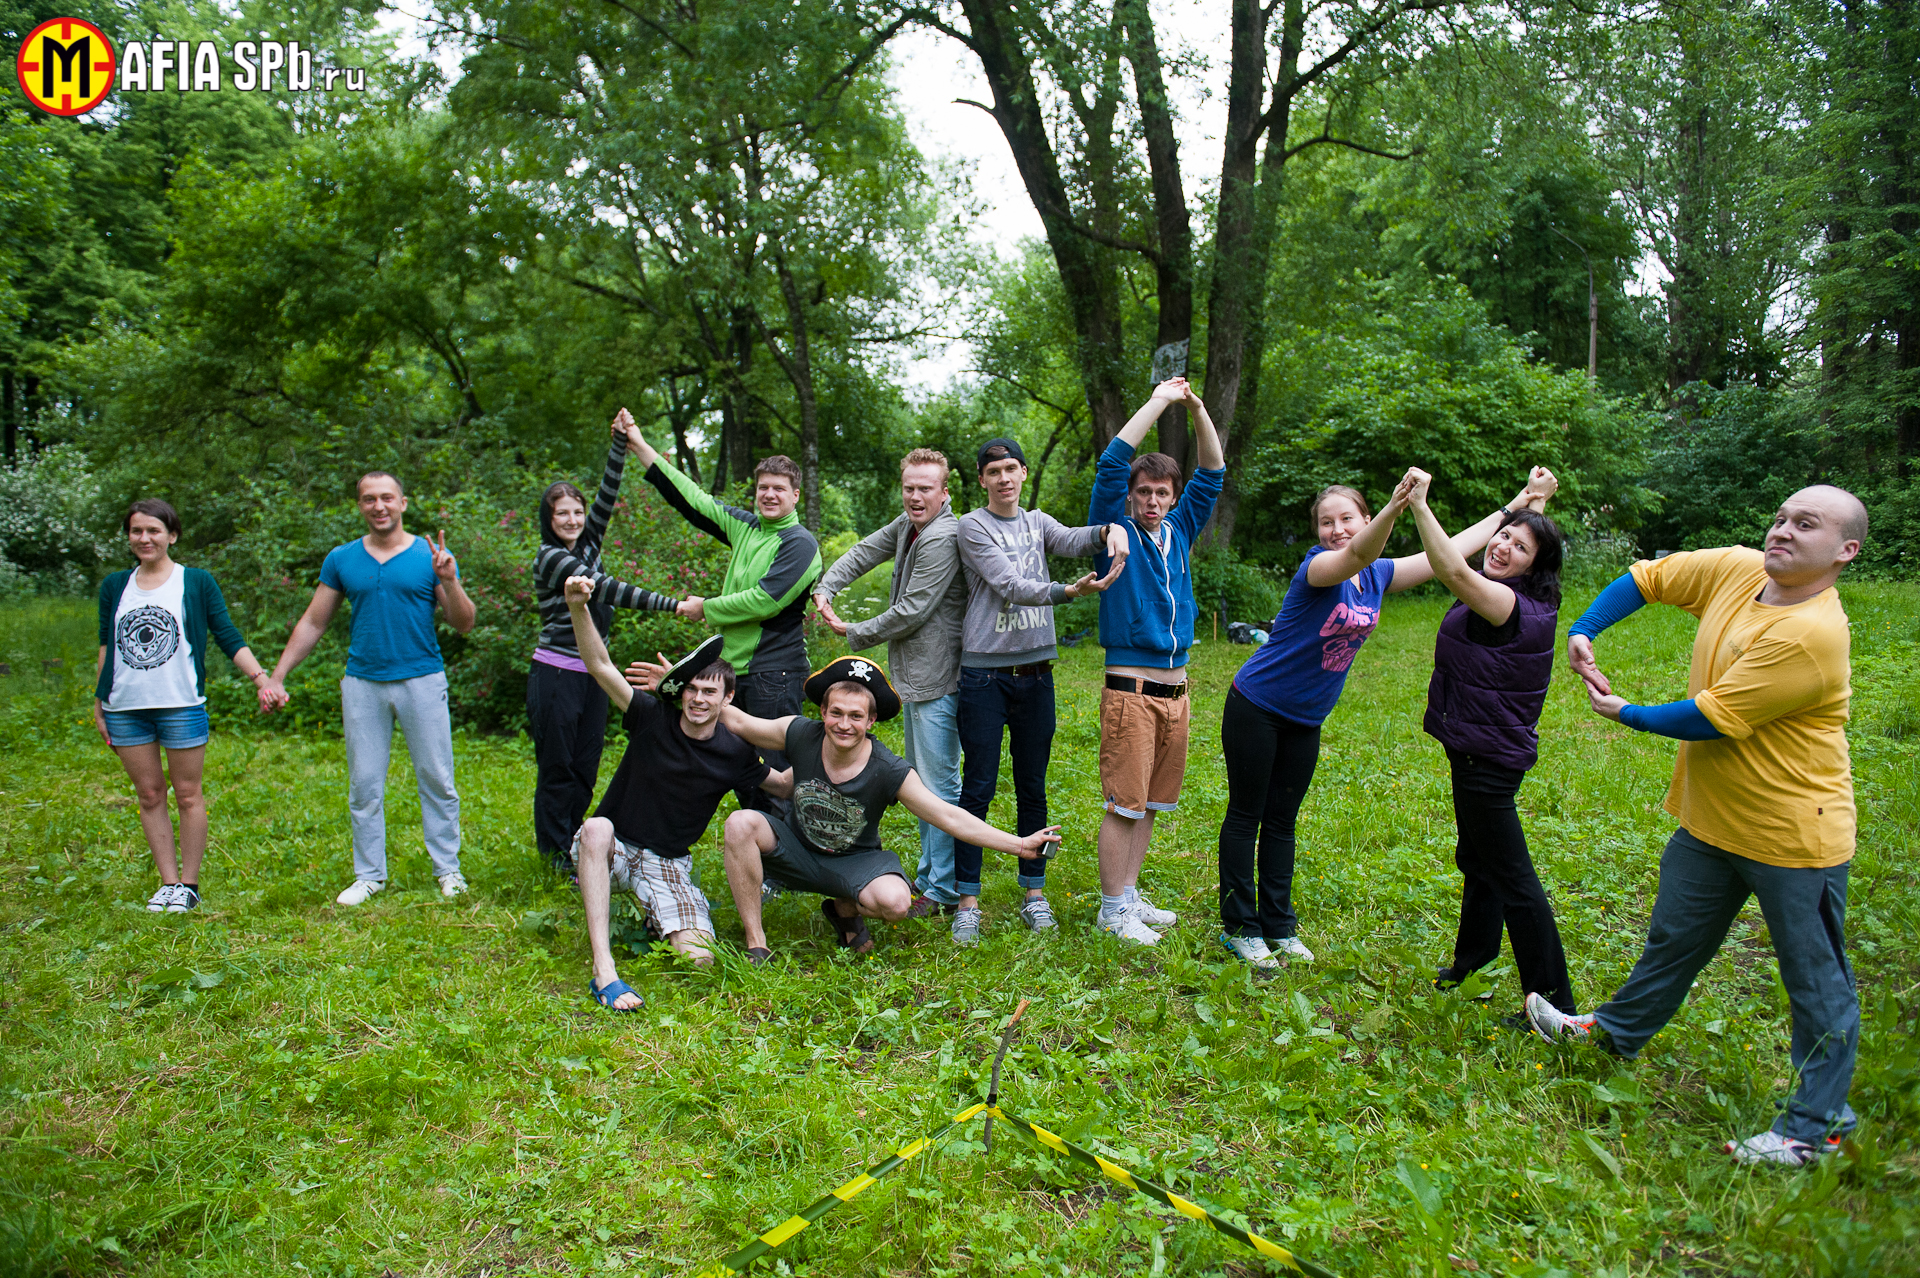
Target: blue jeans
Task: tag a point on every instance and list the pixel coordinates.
(933, 748)
(1701, 890)
(993, 702)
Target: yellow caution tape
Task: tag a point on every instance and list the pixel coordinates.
(737, 1263)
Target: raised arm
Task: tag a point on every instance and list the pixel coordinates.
(1416, 570)
(1491, 600)
(593, 649)
(767, 734)
(963, 825)
(697, 506)
(603, 501)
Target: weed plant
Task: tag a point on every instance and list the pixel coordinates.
(276, 1085)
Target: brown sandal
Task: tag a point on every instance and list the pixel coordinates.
(852, 933)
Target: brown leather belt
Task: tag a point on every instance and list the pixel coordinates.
(1146, 687)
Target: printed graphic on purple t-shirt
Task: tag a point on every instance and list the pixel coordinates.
(1299, 672)
(1344, 630)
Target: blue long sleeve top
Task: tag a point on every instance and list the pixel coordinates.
(1681, 720)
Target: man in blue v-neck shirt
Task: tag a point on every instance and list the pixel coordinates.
(394, 581)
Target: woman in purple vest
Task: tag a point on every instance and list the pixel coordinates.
(1491, 666)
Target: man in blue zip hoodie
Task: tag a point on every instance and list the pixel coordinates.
(1146, 626)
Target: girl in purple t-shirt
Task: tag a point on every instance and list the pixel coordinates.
(1270, 730)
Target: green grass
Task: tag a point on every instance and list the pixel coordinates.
(278, 1086)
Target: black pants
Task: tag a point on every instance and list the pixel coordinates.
(769, 694)
(567, 716)
(1501, 886)
(1270, 762)
(996, 705)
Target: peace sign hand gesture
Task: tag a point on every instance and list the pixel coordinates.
(443, 563)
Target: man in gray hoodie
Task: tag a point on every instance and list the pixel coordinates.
(1006, 662)
(921, 627)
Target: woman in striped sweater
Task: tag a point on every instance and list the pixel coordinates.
(566, 709)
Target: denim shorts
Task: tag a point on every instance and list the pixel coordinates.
(174, 727)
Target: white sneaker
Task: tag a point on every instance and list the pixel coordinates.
(1290, 947)
(1252, 951)
(1150, 914)
(1554, 1025)
(160, 901)
(1125, 923)
(966, 925)
(359, 892)
(1772, 1147)
(184, 899)
(452, 885)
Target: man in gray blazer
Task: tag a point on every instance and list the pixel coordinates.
(926, 604)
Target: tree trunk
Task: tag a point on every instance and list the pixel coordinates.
(9, 422)
(1087, 274)
(798, 366)
(1173, 226)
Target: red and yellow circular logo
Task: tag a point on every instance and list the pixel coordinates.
(65, 66)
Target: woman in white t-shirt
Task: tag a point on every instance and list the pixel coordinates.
(152, 693)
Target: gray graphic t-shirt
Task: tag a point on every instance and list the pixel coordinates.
(834, 820)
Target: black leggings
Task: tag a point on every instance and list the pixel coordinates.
(1270, 762)
(567, 717)
(1501, 887)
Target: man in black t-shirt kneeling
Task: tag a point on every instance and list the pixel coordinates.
(670, 781)
(843, 782)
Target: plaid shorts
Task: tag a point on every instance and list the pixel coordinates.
(664, 885)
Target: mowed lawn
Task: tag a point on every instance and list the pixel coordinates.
(276, 1085)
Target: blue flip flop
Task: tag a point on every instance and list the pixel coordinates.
(605, 995)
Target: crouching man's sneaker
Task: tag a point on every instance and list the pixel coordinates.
(359, 892)
(1772, 1147)
(1554, 1025)
(1125, 923)
(452, 885)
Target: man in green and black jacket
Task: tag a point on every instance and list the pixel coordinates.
(763, 598)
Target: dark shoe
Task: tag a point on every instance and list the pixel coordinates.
(924, 905)
(759, 956)
(1449, 978)
(852, 933)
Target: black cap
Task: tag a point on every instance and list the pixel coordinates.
(1011, 445)
(685, 670)
(886, 702)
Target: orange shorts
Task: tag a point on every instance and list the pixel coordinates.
(1143, 751)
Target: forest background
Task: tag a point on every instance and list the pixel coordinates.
(1424, 225)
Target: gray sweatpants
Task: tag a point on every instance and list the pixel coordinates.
(370, 710)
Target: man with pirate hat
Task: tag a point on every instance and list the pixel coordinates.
(843, 782)
(661, 799)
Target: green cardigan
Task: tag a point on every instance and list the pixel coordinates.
(205, 608)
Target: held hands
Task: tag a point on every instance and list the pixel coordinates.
(694, 608)
(272, 696)
(824, 605)
(443, 565)
(1580, 661)
(1412, 489)
(1604, 704)
(1540, 485)
(1176, 390)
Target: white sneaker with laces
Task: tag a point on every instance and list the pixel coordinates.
(1125, 923)
(1037, 914)
(966, 925)
(359, 892)
(1771, 1147)
(1251, 950)
(452, 885)
(1150, 914)
(1554, 1025)
(160, 901)
(184, 899)
(1290, 947)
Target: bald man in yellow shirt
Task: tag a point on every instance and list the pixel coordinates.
(1763, 791)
